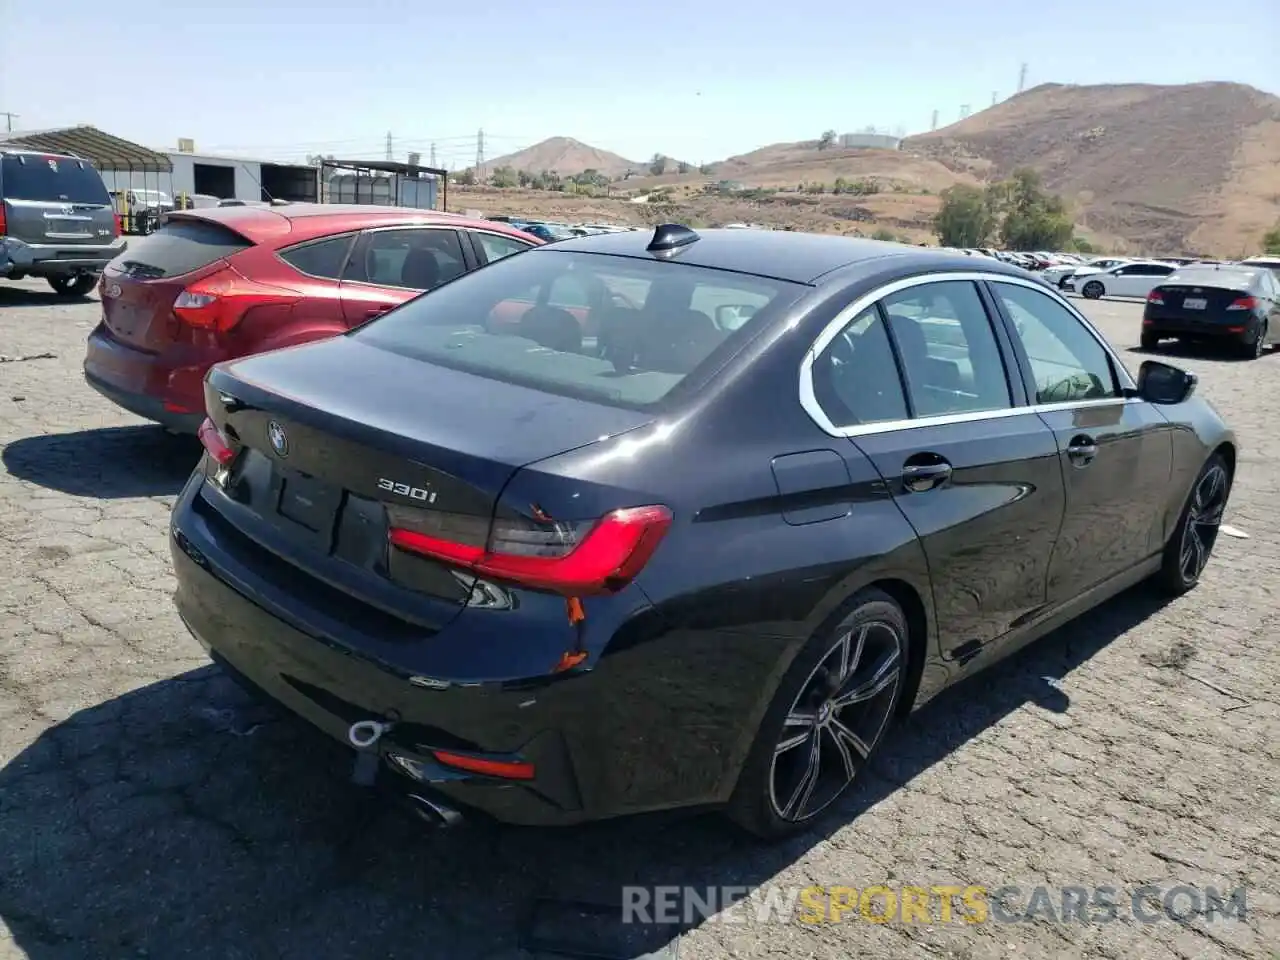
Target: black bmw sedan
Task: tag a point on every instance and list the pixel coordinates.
(691, 530)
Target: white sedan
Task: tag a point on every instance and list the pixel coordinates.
(1133, 279)
(1057, 274)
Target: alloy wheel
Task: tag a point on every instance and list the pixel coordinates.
(841, 711)
(1204, 517)
(1260, 341)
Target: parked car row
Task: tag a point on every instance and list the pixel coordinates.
(549, 231)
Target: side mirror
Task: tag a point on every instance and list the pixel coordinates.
(730, 316)
(1161, 383)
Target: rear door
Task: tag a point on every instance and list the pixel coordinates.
(392, 265)
(1138, 279)
(1115, 451)
(975, 473)
(55, 200)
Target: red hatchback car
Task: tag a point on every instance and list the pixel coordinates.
(213, 285)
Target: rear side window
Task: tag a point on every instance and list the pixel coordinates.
(53, 179)
(321, 258)
(178, 248)
(615, 330)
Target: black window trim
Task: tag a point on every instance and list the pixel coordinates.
(808, 399)
(362, 243)
(352, 237)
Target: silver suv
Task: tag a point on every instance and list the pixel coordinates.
(56, 220)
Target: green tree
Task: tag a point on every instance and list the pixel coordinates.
(682, 167)
(827, 139)
(883, 234)
(704, 169)
(658, 165)
(465, 178)
(966, 218)
(1033, 219)
(505, 177)
(1271, 240)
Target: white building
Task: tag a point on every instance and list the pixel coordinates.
(224, 177)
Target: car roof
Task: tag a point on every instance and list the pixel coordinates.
(297, 222)
(780, 254)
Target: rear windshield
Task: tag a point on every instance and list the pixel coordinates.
(179, 247)
(616, 330)
(33, 177)
(1209, 277)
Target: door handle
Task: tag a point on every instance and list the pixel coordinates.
(925, 472)
(1081, 450)
(376, 311)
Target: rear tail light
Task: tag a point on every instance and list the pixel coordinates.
(1243, 303)
(3, 226)
(507, 769)
(573, 559)
(219, 301)
(215, 443)
(1155, 298)
(119, 225)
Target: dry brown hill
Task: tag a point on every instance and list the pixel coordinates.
(1192, 167)
(565, 156)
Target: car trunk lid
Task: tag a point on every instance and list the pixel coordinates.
(336, 443)
(1193, 301)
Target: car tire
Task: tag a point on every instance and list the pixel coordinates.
(1189, 548)
(1093, 290)
(76, 286)
(1150, 341)
(1258, 345)
(776, 795)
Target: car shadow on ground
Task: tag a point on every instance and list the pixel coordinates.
(185, 820)
(1178, 350)
(111, 463)
(11, 296)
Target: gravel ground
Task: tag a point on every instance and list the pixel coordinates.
(147, 810)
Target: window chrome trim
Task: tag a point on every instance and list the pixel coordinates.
(809, 401)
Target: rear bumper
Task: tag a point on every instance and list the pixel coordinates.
(332, 685)
(149, 385)
(51, 260)
(1241, 329)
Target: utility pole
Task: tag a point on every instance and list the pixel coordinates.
(1022, 78)
(934, 124)
(390, 154)
(479, 153)
(433, 155)
(993, 98)
(8, 120)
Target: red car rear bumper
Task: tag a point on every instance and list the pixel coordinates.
(167, 388)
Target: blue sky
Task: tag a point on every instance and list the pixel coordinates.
(699, 80)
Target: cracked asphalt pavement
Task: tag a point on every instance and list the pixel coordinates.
(147, 809)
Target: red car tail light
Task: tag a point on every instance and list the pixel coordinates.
(119, 225)
(214, 442)
(1155, 298)
(573, 559)
(1243, 303)
(219, 301)
(3, 226)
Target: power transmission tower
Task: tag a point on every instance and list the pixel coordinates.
(1022, 78)
(934, 124)
(479, 153)
(433, 155)
(8, 120)
(390, 154)
(993, 98)
(964, 110)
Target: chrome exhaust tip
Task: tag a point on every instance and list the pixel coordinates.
(433, 812)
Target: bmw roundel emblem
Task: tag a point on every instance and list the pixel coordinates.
(279, 439)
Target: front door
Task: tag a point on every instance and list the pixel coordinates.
(1114, 450)
(388, 267)
(922, 378)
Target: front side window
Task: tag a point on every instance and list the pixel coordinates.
(948, 349)
(615, 330)
(1067, 362)
(416, 259)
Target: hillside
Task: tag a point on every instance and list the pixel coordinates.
(1169, 168)
(565, 156)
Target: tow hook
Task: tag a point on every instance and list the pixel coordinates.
(364, 736)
